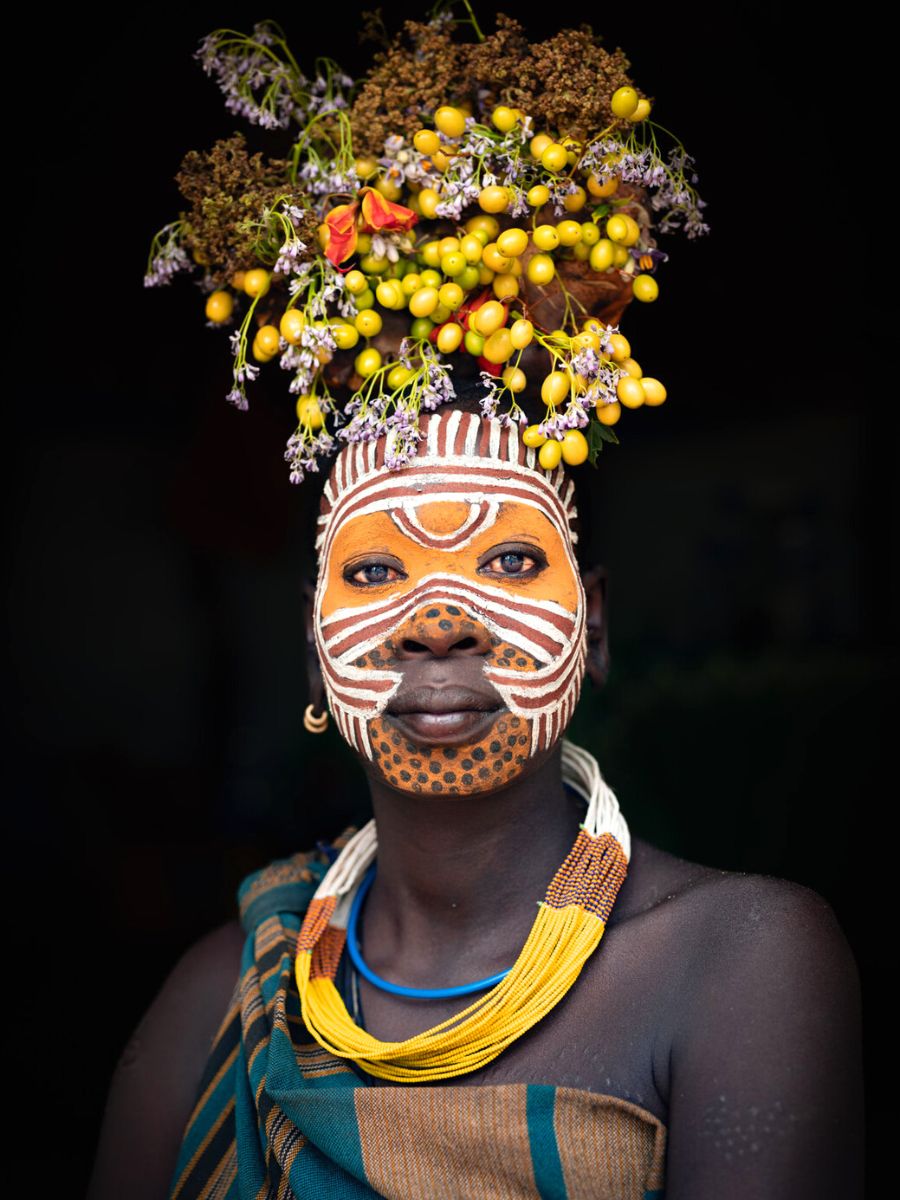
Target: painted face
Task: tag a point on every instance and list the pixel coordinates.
(449, 610)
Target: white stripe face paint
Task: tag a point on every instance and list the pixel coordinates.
(436, 532)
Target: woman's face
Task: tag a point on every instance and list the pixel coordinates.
(449, 611)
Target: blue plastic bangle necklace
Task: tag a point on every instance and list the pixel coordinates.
(397, 989)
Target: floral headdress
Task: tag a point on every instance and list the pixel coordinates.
(489, 201)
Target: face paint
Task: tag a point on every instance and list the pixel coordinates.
(472, 488)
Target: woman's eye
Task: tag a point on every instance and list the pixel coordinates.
(373, 573)
(511, 562)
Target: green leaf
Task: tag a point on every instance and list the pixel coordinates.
(598, 433)
(599, 213)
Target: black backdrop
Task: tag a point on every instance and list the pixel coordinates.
(155, 635)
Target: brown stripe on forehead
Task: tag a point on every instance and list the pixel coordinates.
(453, 478)
(354, 462)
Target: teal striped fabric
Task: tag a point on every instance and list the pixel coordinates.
(277, 1117)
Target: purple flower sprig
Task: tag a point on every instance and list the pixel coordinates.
(377, 410)
(243, 372)
(167, 255)
(262, 81)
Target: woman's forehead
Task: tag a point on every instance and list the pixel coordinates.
(472, 464)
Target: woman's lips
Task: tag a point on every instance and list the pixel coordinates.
(445, 716)
(444, 728)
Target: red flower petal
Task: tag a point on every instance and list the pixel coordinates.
(341, 226)
(379, 213)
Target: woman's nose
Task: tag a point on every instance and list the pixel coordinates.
(442, 630)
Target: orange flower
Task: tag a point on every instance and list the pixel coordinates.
(379, 213)
(341, 226)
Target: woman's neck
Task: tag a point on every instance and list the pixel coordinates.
(471, 868)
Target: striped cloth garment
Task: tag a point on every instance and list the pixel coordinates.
(277, 1117)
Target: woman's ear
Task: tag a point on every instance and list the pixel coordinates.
(595, 588)
(313, 667)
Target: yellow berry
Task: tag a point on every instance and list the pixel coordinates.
(366, 167)
(620, 347)
(550, 454)
(429, 199)
(260, 353)
(451, 295)
(389, 294)
(397, 376)
(569, 232)
(574, 447)
(369, 322)
(630, 391)
(602, 189)
(471, 248)
(504, 118)
(575, 201)
(545, 237)
(654, 391)
(586, 341)
(538, 195)
(367, 362)
(505, 285)
(624, 101)
(483, 223)
(533, 436)
(541, 269)
(608, 414)
(514, 379)
(291, 326)
(645, 288)
(453, 264)
(346, 335)
(423, 302)
(554, 157)
(390, 190)
(522, 333)
(555, 388)
(451, 121)
(426, 141)
(256, 282)
(513, 242)
(493, 199)
(539, 144)
(493, 258)
(219, 306)
(498, 348)
(237, 280)
(449, 337)
(603, 255)
(267, 338)
(411, 283)
(488, 318)
(355, 282)
(309, 413)
(642, 112)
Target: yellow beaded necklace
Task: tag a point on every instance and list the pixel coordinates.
(570, 923)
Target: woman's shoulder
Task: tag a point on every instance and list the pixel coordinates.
(721, 900)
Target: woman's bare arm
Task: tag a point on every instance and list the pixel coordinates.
(766, 1099)
(155, 1082)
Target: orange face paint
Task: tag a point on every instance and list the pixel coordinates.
(465, 553)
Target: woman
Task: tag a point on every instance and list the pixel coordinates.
(709, 1046)
(492, 990)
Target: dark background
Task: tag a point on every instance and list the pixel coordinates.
(155, 628)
